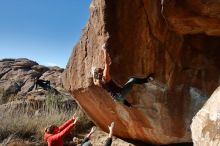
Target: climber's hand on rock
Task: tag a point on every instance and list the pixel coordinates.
(104, 47)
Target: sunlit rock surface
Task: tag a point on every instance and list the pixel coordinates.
(205, 126)
(178, 41)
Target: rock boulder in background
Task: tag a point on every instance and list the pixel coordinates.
(206, 123)
(17, 85)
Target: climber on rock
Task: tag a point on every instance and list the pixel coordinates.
(45, 84)
(102, 78)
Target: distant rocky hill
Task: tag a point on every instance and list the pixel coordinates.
(17, 84)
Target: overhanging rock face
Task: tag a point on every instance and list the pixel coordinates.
(145, 36)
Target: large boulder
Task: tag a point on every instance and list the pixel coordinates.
(205, 124)
(177, 40)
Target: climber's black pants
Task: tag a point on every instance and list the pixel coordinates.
(128, 86)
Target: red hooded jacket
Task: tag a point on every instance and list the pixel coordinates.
(57, 139)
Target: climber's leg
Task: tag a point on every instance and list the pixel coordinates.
(134, 80)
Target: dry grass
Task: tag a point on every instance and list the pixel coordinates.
(23, 125)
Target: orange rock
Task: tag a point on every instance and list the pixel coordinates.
(176, 42)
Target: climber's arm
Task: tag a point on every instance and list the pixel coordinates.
(67, 123)
(106, 72)
(88, 135)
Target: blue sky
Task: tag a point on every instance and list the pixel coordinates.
(41, 30)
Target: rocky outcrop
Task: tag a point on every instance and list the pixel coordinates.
(205, 125)
(177, 40)
(17, 81)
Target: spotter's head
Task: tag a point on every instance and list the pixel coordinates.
(53, 129)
